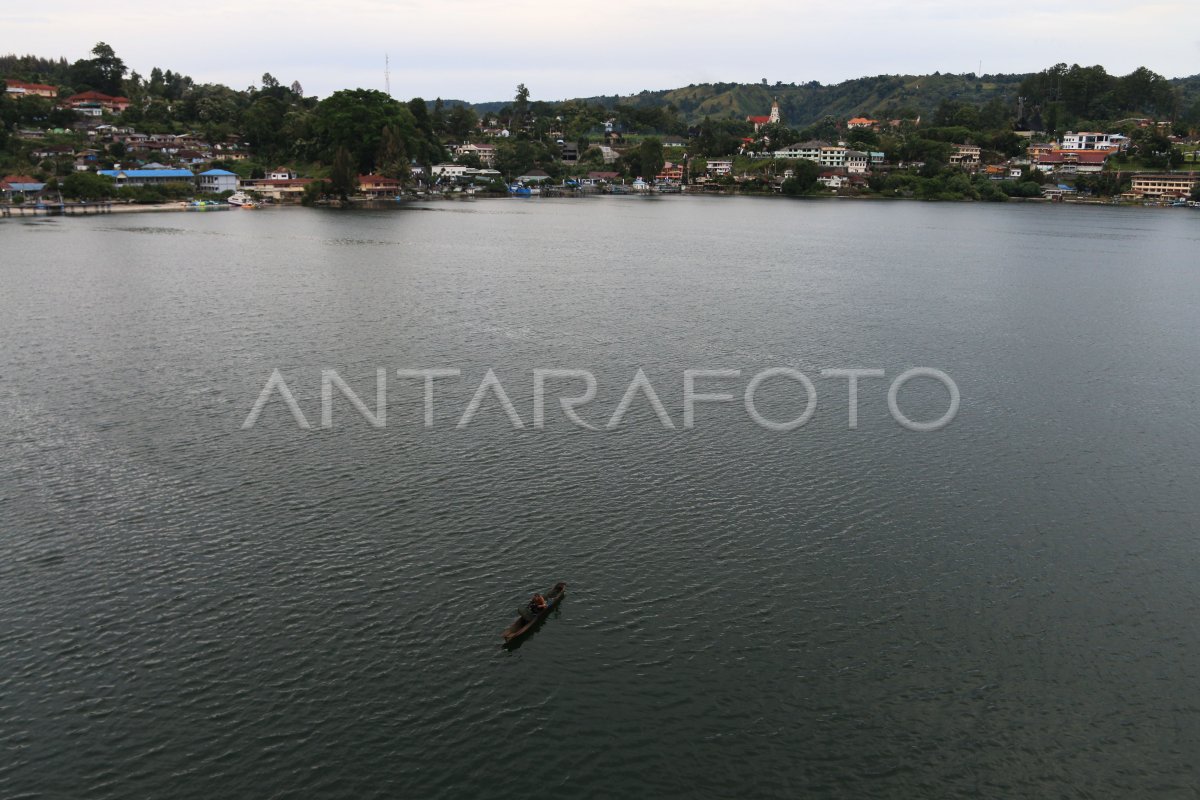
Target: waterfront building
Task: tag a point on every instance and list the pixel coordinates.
(280, 189)
(533, 176)
(217, 181)
(449, 170)
(148, 177)
(12, 186)
(1163, 184)
(378, 186)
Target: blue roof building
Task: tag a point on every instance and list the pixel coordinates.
(217, 181)
(148, 177)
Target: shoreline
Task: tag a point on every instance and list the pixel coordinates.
(102, 208)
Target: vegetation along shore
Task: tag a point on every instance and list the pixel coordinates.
(93, 131)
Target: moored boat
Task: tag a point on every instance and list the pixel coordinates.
(528, 620)
(242, 200)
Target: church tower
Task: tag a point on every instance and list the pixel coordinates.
(774, 118)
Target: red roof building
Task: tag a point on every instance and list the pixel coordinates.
(378, 185)
(97, 99)
(22, 89)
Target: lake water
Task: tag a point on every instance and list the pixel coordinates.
(1008, 606)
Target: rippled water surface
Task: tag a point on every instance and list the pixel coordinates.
(1007, 607)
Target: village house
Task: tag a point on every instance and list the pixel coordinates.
(670, 173)
(1163, 185)
(86, 159)
(192, 157)
(719, 167)
(13, 186)
(279, 189)
(486, 152)
(861, 122)
(53, 151)
(378, 186)
(857, 162)
(280, 174)
(217, 181)
(878, 159)
(17, 89)
(597, 177)
(832, 180)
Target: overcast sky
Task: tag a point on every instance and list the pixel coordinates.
(480, 50)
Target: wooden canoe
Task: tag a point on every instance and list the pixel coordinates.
(522, 625)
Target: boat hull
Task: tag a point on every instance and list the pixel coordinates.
(523, 626)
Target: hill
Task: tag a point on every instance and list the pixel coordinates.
(880, 96)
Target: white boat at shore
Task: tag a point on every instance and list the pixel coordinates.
(242, 200)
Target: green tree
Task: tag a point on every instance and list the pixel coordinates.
(520, 107)
(343, 178)
(392, 160)
(461, 121)
(88, 186)
(103, 72)
(804, 178)
(354, 120)
(650, 157)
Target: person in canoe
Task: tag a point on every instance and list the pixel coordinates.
(538, 604)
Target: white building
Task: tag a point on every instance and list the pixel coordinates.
(217, 181)
(1092, 140)
(807, 150)
(857, 162)
(833, 156)
(449, 170)
(486, 152)
(717, 167)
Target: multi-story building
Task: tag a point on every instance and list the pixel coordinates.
(809, 150)
(718, 167)
(217, 181)
(833, 155)
(966, 155)
(1163, 184)
(1092, 140)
